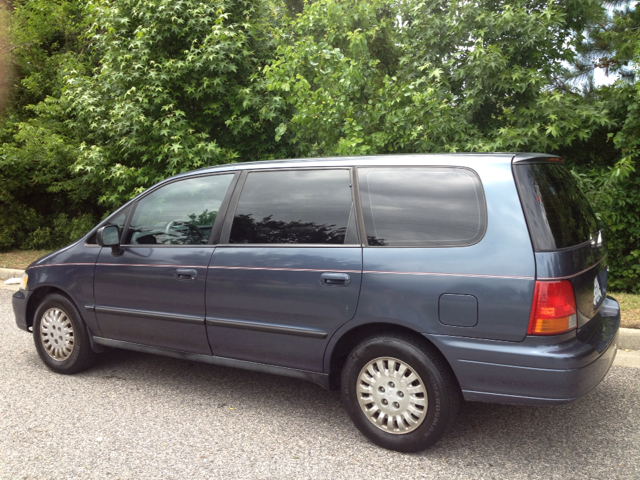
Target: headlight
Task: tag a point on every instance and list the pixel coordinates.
(25, 279)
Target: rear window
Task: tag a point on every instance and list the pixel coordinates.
(558, 214)
(422, 206)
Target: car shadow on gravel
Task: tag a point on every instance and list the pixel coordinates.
(483, 433)
(201, 380)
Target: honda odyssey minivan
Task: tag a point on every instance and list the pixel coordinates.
(409, 282)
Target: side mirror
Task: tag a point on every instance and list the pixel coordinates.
(109, 236)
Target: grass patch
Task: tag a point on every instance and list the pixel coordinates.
(20, 259)
(630, 308)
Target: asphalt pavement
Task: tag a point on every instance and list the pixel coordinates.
(139, 416)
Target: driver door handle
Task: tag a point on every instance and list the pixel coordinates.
(186, 274)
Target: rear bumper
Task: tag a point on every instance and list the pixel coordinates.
(19, 303)
(539, 370)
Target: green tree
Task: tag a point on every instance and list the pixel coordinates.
(426, 76)
(605, 162)
(432, 76)
(37, 146)
(111, 96)
(178, 86)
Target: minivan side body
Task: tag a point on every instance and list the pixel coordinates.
(250, 284)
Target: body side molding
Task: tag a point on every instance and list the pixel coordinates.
(268, 328)
(149, 314)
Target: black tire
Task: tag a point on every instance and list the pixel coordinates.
(74, 353)
(442, 392)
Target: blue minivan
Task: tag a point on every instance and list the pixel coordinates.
(409, 282)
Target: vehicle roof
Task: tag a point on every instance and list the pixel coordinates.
(443, 159)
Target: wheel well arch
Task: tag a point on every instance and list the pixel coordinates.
(351, 338)
(36, 297)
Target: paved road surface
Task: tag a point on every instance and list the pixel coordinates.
(138, 416)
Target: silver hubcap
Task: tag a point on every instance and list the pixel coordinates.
(56, 333)
(392, 395)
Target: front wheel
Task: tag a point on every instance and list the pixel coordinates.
(398, 393)
(61, 337)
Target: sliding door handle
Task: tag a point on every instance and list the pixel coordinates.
(335, 279)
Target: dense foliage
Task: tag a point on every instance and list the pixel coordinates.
(177, 87)
(415, 76)
(606, 162)
(111, 96)
(39, 198)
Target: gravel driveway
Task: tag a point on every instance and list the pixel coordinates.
(138, 416)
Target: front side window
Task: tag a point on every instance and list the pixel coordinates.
(422, 206)
(180, 213)
(295, 207)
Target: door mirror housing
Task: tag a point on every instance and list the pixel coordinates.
(109, 236)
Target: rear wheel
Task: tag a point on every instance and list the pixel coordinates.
(61, 337)
(398, 393)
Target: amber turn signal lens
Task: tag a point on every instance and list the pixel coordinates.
(553, 310)
(552, 326)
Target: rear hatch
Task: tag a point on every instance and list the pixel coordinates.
(567, 241)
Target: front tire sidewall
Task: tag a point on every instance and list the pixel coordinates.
(435, 422)
(78, 359)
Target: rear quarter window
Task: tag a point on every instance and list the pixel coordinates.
(422, 206)
(557, 212)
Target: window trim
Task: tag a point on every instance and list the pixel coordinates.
(219, 218)
(484, 214)
(355, 189)
(235, 200)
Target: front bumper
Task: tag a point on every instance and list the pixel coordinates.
(539, 370)
(19, 302)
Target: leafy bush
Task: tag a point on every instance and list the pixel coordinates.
(615, 194)
(16, 221)
(623, 220)
(61, 231)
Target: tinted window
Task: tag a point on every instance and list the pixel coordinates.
(423, 206)
(304, 206)
(558, 214)
(180, 213)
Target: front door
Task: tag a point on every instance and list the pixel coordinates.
(153, 293)
(287, 272)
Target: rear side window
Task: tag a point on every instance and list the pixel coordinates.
(422, 206)
(557, 212)
(295, 207)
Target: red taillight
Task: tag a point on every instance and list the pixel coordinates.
(554, 308)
